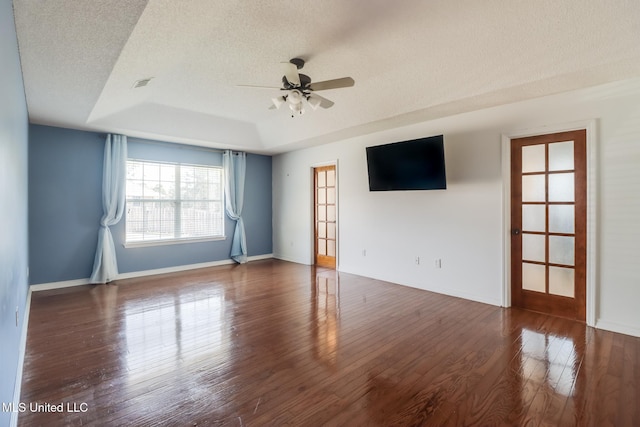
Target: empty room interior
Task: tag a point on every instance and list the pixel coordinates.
(319, 213)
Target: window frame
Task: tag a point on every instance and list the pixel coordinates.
(177, 200)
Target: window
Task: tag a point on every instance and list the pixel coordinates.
(173, 202)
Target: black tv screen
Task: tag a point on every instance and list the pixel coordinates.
(409, 165)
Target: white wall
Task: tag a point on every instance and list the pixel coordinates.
(464, 224)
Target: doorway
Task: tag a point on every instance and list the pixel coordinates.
(549, 223)
(325, 214)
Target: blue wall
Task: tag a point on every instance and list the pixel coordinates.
(13, 205)
(65, 202)
(64, 223)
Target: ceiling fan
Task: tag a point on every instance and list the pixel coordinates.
(299, 91)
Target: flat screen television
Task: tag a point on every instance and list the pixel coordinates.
(417, 164)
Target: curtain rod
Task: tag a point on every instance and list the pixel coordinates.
(176, 144)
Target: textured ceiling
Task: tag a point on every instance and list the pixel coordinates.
(412, 60)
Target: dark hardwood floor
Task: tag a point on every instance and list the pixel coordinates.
(276, 343)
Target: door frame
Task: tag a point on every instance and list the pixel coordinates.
(592, 197)
(312, 237)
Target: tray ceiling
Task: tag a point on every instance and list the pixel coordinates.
(412, 61)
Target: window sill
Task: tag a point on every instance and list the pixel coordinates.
(150, 243)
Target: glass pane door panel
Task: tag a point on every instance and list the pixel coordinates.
(331, 247)
(322, 213)
(533, 158)
(331, 195)
(331, 212)
(322, 196)
(533, 248)
(331, 230)
(561, 156)
(322, 247)
(322, 229)
(331, 178)
(533, 188)
(561, 281)
(533, 277)
(547, 210)
(561, 250)
(561, 188)
(533, 218)
(561, 219)
(325, 232)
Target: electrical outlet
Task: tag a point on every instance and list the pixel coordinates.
(17, 315)
(438, 263)
(417, 260)
(364, 252)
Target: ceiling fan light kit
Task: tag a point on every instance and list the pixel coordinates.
(314, 101)
(296, 108)
(278, 101)
(300, 90)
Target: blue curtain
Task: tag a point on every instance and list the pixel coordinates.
(105, 265)
(234, 165)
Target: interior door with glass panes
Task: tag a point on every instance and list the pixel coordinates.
(326, 233)
(548, 224)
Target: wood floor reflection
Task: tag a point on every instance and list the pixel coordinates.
(276, 343)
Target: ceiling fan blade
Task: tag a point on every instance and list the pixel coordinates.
(290, 71)
(332, 84)
(317, 100)
(259, 87)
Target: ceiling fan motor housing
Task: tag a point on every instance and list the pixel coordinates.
(298, 62)
(304, 82)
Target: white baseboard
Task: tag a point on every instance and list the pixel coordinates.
(462, 294)
(21, 353)
(80, 282)
(290, 259)
(620, 328)
(442, 290)
(135, 274)
(58, 285)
